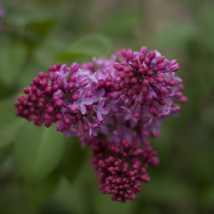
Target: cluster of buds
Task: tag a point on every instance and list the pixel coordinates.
(122, 167)
(125, 97)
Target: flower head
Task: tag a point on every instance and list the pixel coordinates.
(126, 100)
(122, 167)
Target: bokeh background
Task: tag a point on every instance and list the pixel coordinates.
(41, 172)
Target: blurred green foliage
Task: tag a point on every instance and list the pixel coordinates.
(43, 172)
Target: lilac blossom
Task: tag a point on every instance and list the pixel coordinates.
(93, 130)
(98, 95)
(144, 85)
(126, 100)
(82, 101)
(100, 110)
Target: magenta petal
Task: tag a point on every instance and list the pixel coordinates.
(81, 95)
(79, 131)
(102, 92)
(67, 133)
(94, 132)
(82, 108)
(48, 123)
(99, 116)
(59, 126)
(95, 108)
(101, 103)
(88, 101)
(128, 116)
(82, 78)
(104, 111)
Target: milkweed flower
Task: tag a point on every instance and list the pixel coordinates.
(125, 98)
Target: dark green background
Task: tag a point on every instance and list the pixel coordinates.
(41, 172)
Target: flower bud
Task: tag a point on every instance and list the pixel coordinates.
(74, 67)
(143, 50)
(74, 97)
(73, 109)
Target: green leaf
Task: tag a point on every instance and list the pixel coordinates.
(84, 49)
(13, 199)
(32, 27)
(207, 197)
(40, 28)
(4, 152)
(45, 55)
(121, 24)
(72, 197)
(207, 117)
(175, 36)
(38, 150)
(73, 158)
(94, 45)
(9, 122)
(39, 193)
(52, 206)
(73, 57)
(104, 205)
(12, 61)
(167, 188)
(30, 71)
(206, 23)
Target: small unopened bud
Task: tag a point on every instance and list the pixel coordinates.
(74, 97)
(180, 87)
(44, 83)
(66, 120)
(83, 83)
(48, 91)
(72, 78)
(59, 103)
(85, 127)
(101, 83)
(74, 67)
(58, 116)
(183, 100)
(162, 66)
(153, 111)
(123, 53)
(148, 99)
(130, 54)
(117, 66)
(49, 109)
(178, 95)
(73, 109)
(26, 90)
(151, 55)
(70, 86)
(115, 95)
(142, 58)
(147, 61)
(36, 81)
(173, 66)
(171, 83)
(58, 65)
(143, 50)
(136, 114)
(53, 76)
(41, 75)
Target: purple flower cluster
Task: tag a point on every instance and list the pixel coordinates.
(121, 167)
(126, 98)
